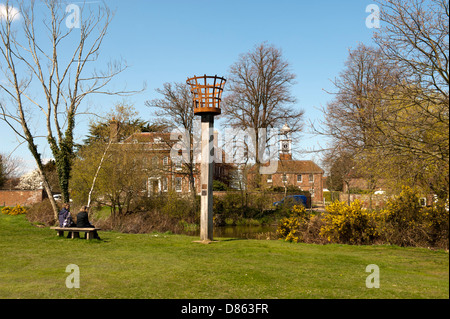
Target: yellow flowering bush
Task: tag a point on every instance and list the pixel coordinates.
(407, 223)
(403, 222)
(290, 228)
(6, 210)
(17, 210)
(349, 224)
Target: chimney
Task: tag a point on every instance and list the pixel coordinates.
(285, 157)
(114, 130)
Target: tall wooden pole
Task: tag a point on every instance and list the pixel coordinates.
(206, 179)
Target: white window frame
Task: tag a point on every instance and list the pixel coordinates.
(178, 164)
(178, 183)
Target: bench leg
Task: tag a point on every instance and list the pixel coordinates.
(89, 235)
(60, 233)
(75, 234)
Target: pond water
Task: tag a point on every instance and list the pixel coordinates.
(245, 232)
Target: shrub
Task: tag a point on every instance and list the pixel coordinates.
(437, 219)
(290, 228)
(228, 208)
(349, 224)
(219, 186)
(41, 213)
(406, 223)
(142, 223)
(164, 213)
(17, 210)
(403, 222)
(172, 204)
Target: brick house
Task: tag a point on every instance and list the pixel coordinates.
(170, 172)
(304, 174)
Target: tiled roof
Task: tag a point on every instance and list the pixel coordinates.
(297, 167)
(148, 137)
(293, 166)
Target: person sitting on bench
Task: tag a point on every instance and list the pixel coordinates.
(65, 220)
(83, 220)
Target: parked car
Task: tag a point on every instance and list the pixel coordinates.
(295, 199)
(58, 197)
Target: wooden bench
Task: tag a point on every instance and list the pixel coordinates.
(75, 231)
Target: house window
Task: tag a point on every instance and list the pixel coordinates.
(164, 184)
(284, 178)
(166, 160)
(311, 178)
(299, 178)
(269, 178)
(178, 184)
(423, 201)
(178, 163)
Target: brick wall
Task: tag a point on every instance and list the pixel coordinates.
(378, 201)
(303, 183)
(20, 197)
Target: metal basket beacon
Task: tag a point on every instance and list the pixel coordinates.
(207, 96)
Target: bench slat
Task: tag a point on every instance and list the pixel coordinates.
(74, 228)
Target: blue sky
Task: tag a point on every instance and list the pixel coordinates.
(167, 41)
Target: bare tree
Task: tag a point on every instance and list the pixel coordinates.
(260, 98)
(10, 168)
(349, 119)
(414, 119)
(175, 111)
(49, 71)
(340, 164)
(391, 105)
(415, 37)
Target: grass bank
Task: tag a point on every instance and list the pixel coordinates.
(33, 263)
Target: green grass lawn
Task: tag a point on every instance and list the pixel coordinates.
(33, 262)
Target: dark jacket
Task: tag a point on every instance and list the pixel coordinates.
(83, 220)
(63, 214)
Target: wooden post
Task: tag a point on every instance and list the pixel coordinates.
(206, 179)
